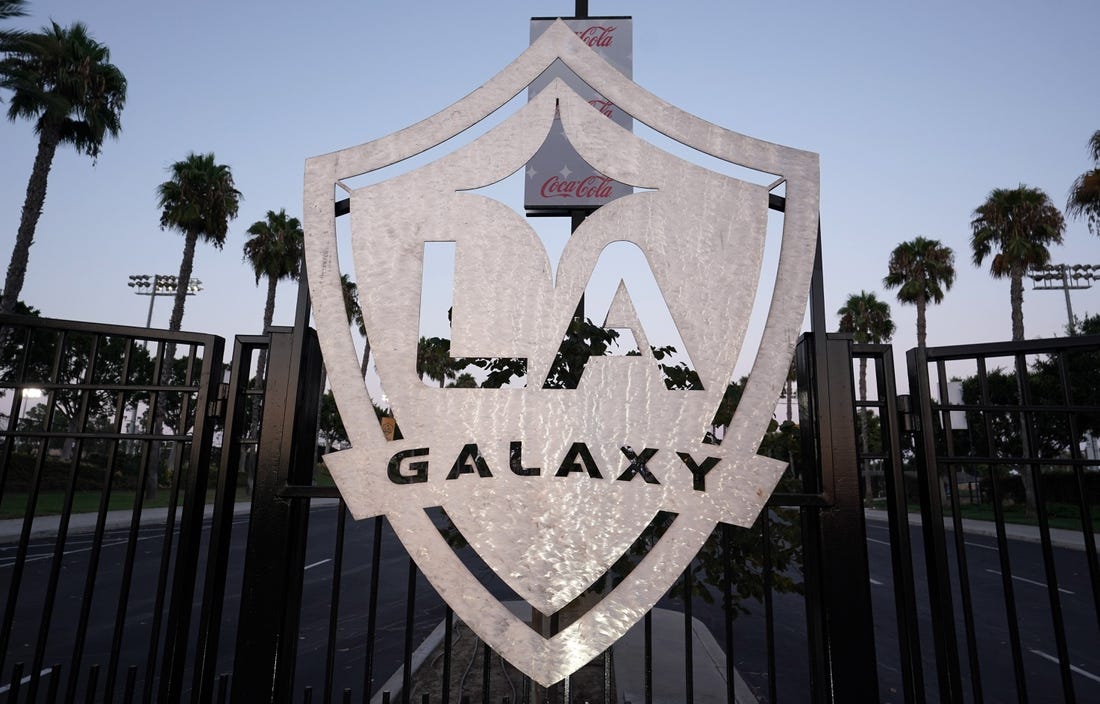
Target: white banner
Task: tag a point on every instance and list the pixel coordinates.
(557, 177)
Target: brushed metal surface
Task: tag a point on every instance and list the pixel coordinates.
(548, 536)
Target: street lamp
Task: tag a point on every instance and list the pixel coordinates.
(159, 285)
(1064, 277)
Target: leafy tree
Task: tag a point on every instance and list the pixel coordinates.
(63, 80)
(922, 270)
(274, 249)
(1084, 195)
(465, 380)
(199, 200)
(869, 321)
(433, 359)
(330, 426)
(1015, 226)
(583, 339)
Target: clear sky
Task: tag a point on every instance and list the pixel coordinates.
(918, 110)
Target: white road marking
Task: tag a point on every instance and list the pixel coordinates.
(25, 680)
(73, 552)
(1074, 668)
(979, 545)
(875, 540)
(317, 564)
(876, 582)
(1028, 581)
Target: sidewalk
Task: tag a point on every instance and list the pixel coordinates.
(1059, 537)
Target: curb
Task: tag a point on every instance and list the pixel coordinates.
(1059, 537)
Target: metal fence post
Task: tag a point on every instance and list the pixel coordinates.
(272, 589)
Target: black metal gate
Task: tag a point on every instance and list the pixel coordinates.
(135, 566)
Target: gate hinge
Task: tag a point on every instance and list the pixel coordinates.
(909, 420)
(216, 408)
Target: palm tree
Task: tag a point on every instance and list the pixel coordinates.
(199, 201)
(63, 80)
(433, 359)
(274, 249)
(355, 317)
(869, 321)
(922, 270)
(1084, 195)
(8, 10)
(1015, 226)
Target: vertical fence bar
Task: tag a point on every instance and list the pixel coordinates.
(334, 597)
(689, 660)
(372, 610)
(221, 528)
(1007, 586)
(410, 615)
(960, 545)
(448, 644)
(647, 649)
(178, 626)
(727, 611)
(769, 611)
(1032, 452)
(935, 552)
(901, 551)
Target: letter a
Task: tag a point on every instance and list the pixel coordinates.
(579, 451)
(462, 463)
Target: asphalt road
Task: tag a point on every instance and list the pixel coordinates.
(1038, 652)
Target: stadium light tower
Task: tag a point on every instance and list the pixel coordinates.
(159, 285)
(1064, 277)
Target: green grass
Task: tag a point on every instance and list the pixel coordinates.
(50, 503)
(1059, 515)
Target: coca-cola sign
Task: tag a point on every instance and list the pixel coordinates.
(557, 178)
(599, 36)
(597, 187)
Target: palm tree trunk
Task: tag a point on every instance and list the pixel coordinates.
(269, 315)
(28, 221)
(187, 263)
(922, 322)
(1016, 295)
(174, 324)
(864, 430)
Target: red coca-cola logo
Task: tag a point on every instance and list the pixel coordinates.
(604, 106)
(597, 36)
(593, 186)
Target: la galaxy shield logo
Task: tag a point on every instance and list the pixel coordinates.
(551, 486)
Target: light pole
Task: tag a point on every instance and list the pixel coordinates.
(153, 286)
(159, 285)
(1064, 277)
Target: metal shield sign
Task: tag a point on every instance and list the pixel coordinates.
(552, 485)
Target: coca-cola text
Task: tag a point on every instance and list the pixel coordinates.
(594, 186)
